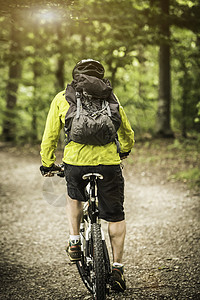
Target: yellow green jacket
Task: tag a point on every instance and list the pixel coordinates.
(79, 154)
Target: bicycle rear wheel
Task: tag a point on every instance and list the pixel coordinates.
(99, 285)
(85, 264)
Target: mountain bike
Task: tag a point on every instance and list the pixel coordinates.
(94, 266)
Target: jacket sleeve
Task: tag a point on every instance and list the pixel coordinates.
(125, 132)
(51, 134)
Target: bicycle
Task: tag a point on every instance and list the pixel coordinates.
(94, 266)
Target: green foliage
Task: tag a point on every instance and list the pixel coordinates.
(186, 89)
(123, 35)
(197, 119)
(188, 152)
(190, 176)
(171, 159)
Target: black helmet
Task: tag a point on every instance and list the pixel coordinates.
(89, 67)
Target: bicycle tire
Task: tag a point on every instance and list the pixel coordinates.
(106, 261)
(83, 269)
(99, 263)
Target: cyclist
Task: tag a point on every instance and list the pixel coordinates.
(80, 159)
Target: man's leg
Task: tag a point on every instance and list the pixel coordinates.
(74, 213)
(117, 232)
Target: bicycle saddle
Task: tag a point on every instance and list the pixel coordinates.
(96, 175)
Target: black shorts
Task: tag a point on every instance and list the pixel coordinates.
(110, 189)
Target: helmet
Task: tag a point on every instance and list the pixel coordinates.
(89, 67)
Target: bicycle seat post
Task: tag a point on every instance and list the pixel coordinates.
(93, 177)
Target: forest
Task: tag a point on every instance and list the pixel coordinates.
(150, 50)
(151, 53)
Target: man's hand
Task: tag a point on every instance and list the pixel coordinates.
(48, 171)
(124, 154)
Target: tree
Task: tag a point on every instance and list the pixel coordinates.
(15, 69)
(126, 39)
(163, 114)
(60, 78)
(185, 72)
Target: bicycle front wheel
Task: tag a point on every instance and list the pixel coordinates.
(98, 262)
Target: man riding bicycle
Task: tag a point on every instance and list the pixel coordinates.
(80, 158)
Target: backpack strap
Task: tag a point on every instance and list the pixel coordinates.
(117, 144)
(105, 104)
(78, 99)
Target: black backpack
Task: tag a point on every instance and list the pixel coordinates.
(93, 117)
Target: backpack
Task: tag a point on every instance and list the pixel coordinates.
(93, 117)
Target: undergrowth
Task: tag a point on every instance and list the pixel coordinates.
(178, 159)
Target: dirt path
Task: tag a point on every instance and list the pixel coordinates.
(162, 245)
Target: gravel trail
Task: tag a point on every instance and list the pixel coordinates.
(162, 250)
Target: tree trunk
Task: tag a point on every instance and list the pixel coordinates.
(185, 94)
(9, 124)
(60, 72)
(60, 78)
(163, 128)
(34, 104)
(60, 82)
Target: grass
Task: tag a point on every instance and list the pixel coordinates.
(178, 160)
(191, 176)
